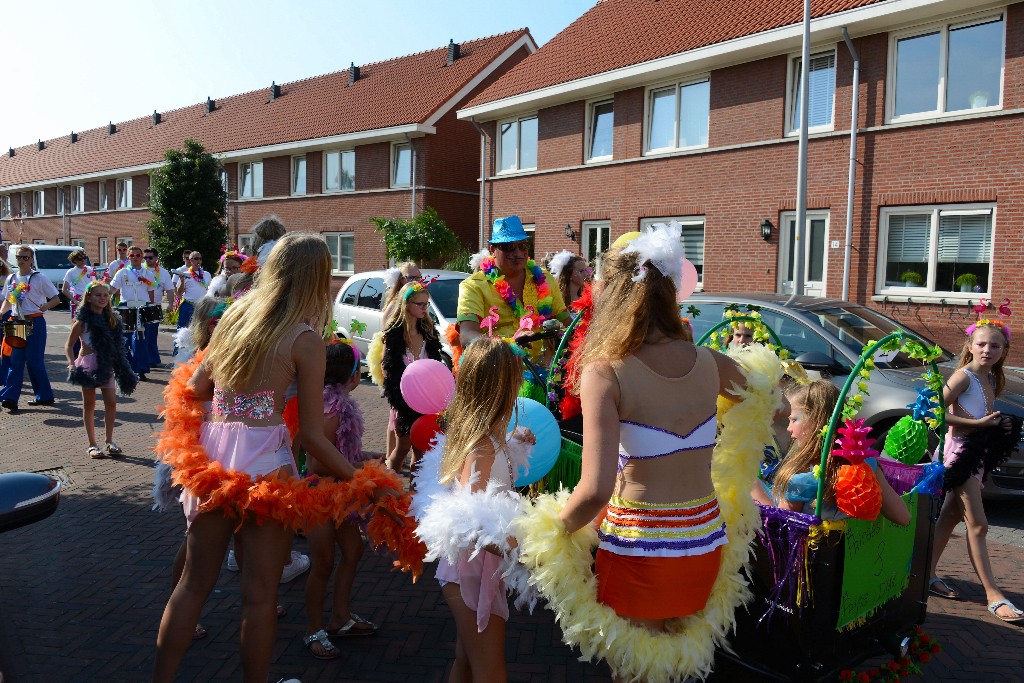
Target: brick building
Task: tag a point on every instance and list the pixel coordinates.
(326, 154)
(646, 110)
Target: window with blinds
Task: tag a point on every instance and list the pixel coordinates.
(964, 247)
(939, 245)
(822, 86)
(907, 249)
(692, 238)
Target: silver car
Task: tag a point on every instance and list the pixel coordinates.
(362, 299)
(826, 336)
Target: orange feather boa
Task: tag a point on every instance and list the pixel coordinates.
(288, 501)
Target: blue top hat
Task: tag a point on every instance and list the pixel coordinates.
(508, 229)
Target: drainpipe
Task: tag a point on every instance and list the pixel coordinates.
(854, 116)
(412, 172)
(483, 180)
(801, 169)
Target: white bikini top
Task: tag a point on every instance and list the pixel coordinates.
(640, 441)
(973, 401)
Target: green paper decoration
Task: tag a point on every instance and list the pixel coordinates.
(907, 440)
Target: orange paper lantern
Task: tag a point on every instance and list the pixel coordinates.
(858, 493)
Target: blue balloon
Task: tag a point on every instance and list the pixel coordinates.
(539, 420)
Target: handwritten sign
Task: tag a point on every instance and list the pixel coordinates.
(877, 563)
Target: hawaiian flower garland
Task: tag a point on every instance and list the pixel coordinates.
(156, 272)
(18, 292)
(504, 289)
(196, 275)
(922, 647)
(288, 501)
(140, 277)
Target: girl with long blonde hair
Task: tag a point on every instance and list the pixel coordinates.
(262, 343)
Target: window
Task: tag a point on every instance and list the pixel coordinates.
(60, 200)
(342, 247)
(596, 236)
(124, 193)
(5, 206)
(126, 240)
(103, 250)
(250, 179)
(948, 68)
(601, 131)
(372, 294)
(401, 165)
(245, 242)
(930, 247)
(60, 241)
(351, 292)
(517, 148)
(38, 241)
(693, 238)
(340, 171)
(38, 202)
(104, 204)
(224, 180)
(299, 175)
(77, 198)
(678, 116)
(822, 86)
(531, 235)
(77, 242)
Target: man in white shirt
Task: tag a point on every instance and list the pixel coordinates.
(136, 291)
(33, 295)
(76, 280)
(162, 287)
(191, 287)
(117, 264)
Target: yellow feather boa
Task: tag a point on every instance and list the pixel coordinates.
(375, 358)
(561, 565)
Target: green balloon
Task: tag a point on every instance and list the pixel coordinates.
(907, 440)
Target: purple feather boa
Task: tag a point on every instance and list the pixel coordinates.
(349, 437)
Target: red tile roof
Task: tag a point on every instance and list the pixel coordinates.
(400, 91)
(621, 33)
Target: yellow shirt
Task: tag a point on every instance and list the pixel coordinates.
(477, 296)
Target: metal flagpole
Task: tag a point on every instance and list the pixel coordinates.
(801, 169)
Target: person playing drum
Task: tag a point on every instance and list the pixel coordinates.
(27, 294)
(162, 286)
(136, 291)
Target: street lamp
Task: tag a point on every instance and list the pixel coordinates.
(569, 232)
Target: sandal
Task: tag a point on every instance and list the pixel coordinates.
(113, 449)
(94, 452)
(943, 588)
(199, 633)
(1018, 615)
(281, 611)
(327, 648)
(355, 627)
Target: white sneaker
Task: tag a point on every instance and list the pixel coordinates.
(290, 680)
(232, 562)
(299, 565)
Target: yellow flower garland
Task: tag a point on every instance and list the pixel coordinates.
(561, 564)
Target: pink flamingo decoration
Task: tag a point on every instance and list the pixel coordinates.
(490, 320)
(1005, 308)
(526, 322)
(981, 307)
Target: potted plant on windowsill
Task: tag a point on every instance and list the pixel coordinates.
(966, 282)
(912, 278)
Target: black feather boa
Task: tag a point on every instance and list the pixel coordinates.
(393, 366)
(111, 355)
(983, 450)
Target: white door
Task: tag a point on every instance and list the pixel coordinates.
(815, 246)
(596, 236)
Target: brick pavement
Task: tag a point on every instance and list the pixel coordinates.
(81, 593)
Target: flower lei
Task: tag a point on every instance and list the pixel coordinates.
(18, 292)
(85, 271)
(922, 647)
(196, 275)
(504, 289)
(140, 277)
(156, 273)
(288, 501)
(561, 564)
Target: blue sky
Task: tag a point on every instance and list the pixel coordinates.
(82, 64)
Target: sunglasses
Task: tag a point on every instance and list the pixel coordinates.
(23, 258)
(509, 247)
(150, 258)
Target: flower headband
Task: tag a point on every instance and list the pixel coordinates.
(234, 255)
(355, 353)
(92, 284)
(660, 245)
(414, 288)
(985, 322)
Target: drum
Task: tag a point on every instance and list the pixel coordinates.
(152, 313)
(131, 317)
(16, 332)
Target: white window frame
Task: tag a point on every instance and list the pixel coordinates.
(124, 193)
(336, 265)
(341, 165)
(936, 211)
(785, 246)
(126, 240)
(104, 252)
(224, 181)
(585, 239)
(531, 232)
(60, 241)
(38, 241)
(518, 121)
(296, 190)
(943, 28)
(5, 206)
(793, 81)
(78, 242)
(245, 242)
(685, 221)
(256, 192)
(39, 203)
(395, 147)
(103, 200)
(77, 198)
(60, 201)
(649, 112)
(589, 131)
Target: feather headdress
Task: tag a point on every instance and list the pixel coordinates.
(660, 245)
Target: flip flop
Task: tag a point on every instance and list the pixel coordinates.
(94, 452)
(329, 651)
(355, 627)
(1018, 615)
(943, 588)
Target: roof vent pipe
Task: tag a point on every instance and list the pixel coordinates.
(353, 73)
(42, 145)
(275, 91)
(74, 137)
(156, 117)
(111, 128)
(453, 51)
(210, 105)
(10, 152)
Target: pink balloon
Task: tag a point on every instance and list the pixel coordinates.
(428, 386)
(689, 281)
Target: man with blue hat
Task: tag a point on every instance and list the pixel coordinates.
(507, 288)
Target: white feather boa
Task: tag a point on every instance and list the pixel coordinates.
(561, 565)
(183, 342)
(453, 519)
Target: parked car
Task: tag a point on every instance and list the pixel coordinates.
(826, 336)
(51, 260)
(362, 299)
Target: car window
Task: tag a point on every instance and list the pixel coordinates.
(348, 297)
(445, 294)
(56, 259)
(372, 293)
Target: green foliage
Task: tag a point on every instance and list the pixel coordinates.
(969, 279)
(426, 239)
(460, 261)
(912, 276)
(189, 205)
